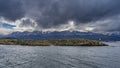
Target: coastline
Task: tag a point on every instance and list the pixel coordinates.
(54, 42)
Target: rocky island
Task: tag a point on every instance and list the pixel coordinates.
(55, 42)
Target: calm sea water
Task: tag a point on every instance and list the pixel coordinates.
(60, 57)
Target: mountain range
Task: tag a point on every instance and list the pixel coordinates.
(39, 35)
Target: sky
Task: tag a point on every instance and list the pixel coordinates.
(59, 15)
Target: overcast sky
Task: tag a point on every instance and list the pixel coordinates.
(59, 15)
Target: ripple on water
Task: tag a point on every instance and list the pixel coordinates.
(60, 57)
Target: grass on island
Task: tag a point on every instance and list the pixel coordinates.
(55, 42)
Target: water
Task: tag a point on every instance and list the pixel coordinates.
(60, 57)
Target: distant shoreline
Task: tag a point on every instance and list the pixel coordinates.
(54, 42)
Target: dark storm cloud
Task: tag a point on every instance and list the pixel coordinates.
(56, 12)
(50, 13)
(26, 22)
(11, 9)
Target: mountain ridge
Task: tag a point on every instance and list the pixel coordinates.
(39, 35)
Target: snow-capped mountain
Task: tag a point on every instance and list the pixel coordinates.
(64, 34)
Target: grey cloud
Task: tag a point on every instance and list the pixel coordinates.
(27, 23)
(11, 9)
(52, 13)
(111, 24)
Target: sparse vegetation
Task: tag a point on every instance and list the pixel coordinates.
(56, 42)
